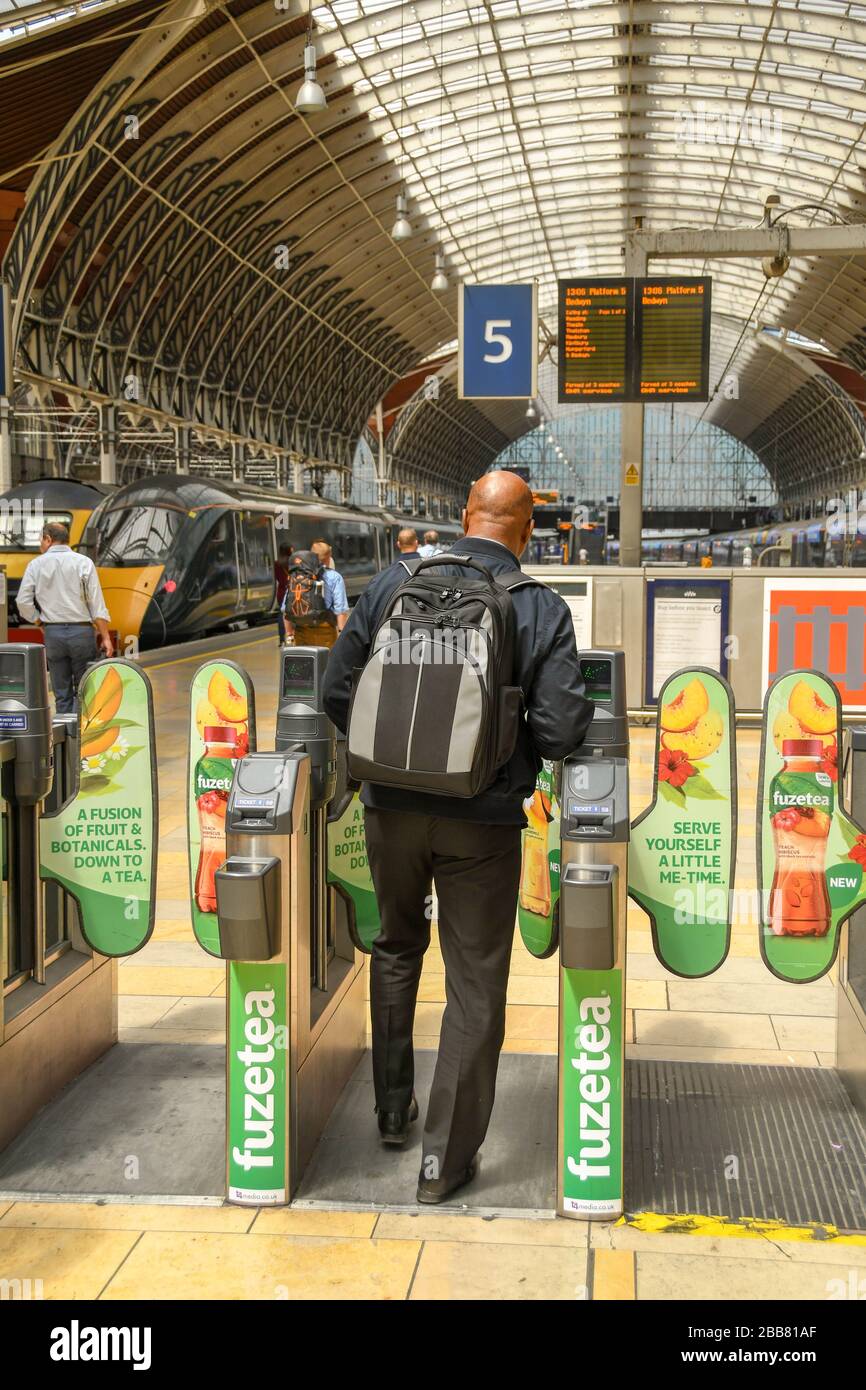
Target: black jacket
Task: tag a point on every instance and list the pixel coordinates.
(547, 670)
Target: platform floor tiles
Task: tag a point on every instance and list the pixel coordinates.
(89, 1251)
(172, 992)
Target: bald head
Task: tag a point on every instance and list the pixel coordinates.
(407, 540)
(499, 508)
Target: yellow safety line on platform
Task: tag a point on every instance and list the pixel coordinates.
(656, 1223)
(613, 1276)
(206, 656)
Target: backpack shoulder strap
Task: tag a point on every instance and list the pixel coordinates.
(515, 579)
(410, 568)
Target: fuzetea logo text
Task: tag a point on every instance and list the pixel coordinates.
(258, 1082)
(592, 1044)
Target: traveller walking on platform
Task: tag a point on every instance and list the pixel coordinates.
(431, 545)
(315, 606)
(281, 577)
(468, 846)
(60, 590)
(335, 585)
(407, 541)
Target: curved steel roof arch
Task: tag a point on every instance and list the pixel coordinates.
(528, 136)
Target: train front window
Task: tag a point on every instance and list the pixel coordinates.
(133, 535)
(21, 525)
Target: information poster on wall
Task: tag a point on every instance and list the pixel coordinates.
(222, 728)
(687, 624)
(102, 846)
(683, 847)
(810, 853)
(818, 625)
(577, 594)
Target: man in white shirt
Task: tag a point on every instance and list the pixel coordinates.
(60, 590)
(431, 545)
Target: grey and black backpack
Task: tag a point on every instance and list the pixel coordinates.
(436, 709)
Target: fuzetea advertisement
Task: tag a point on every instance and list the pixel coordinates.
(349, 872)
(681, 859)
(102, 846)
(538, 896)
(221, 730)
(810, 853)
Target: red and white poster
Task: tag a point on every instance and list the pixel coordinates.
(817, 626)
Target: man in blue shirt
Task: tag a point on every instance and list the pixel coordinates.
(336, 597)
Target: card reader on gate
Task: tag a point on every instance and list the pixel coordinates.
(259, 820)
(595, 822)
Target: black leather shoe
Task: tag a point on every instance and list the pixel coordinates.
(394, 1124)
(435, 1190)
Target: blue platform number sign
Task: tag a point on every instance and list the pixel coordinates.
(5, 341)
(498, 336)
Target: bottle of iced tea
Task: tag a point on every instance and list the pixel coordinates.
(801, 810)
(213, 780)
(535, 865)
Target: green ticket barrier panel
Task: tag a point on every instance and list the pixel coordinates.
(222, 728)
(101, 847)
(684, 845)
(538, 897)
(592, 951)
(810, 853)
(348, 869)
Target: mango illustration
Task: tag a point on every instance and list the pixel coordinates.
(228, 703)
(685, 709)
(103, 705)
(699, 741)
(99, 743)
(814, 715)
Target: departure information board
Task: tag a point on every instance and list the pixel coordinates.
(595, 318)
(634, 340)
(672, 334)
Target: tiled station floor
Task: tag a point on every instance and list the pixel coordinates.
(172, 991)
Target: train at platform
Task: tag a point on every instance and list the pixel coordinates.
(819, 543)
(180, 556)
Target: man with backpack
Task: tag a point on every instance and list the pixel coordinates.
(315, 606)
(461, 675)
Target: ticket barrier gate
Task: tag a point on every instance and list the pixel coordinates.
(52, 983)
(296, 1010)
(592, 922)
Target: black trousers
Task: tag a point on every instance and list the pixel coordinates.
(476, 870)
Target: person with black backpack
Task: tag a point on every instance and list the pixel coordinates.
(453, 678)
(315, 606)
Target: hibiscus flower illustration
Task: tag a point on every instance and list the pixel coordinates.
(674, 767)
(858, 850)
(829, 764)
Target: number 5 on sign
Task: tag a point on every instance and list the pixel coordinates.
(498, 337)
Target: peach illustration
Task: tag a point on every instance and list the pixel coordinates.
(814, 715)
(685, 709)
(230, 705)
(699, 741)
